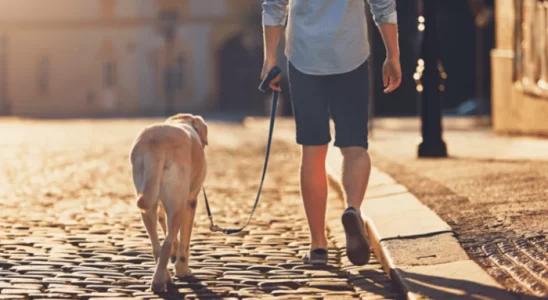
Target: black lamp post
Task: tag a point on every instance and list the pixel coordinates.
(432, 144)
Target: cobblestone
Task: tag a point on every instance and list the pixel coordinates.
(70, 229)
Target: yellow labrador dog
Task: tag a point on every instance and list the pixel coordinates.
(168, 164)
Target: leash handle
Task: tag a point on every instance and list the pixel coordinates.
(265, 84)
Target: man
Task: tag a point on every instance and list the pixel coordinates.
(327, 51)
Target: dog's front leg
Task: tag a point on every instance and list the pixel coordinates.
(183, 253)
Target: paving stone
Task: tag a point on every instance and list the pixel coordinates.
(296, 293)
(279, 283)
(101, 288)
(49, 296)
(304, 277)
(243, 273)
(12, 297)
(71, 291)
(263, 268)
(139, 287)
(6, 264)
(27, 286)
(13, 291)
(111, 298)
(100, 295)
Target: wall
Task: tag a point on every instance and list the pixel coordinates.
(520, 105)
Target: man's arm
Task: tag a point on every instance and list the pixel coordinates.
(274, 15)
(386, 18)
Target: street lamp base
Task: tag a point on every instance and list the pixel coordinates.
(433, 149)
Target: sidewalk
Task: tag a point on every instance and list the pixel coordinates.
(69, 228)
(492, 191)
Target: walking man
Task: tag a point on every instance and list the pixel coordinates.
(327, 50)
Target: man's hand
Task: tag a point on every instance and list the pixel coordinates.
(391, 70)
(391, 75)
(267, 66)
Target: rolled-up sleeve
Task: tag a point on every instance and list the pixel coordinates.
(274, 12)
(384, 11)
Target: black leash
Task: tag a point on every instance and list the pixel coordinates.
(263, 87)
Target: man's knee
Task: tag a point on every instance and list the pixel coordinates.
(315, 150)
(355, 154)
(314, 154)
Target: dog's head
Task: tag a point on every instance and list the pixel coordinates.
(197, 122)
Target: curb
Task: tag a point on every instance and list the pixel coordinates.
(416, 248)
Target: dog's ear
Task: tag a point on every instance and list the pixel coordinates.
(201, 127)
(179, 117)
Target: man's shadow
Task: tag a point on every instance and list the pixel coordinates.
(433, 287)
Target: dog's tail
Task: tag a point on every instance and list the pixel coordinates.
(150, 187)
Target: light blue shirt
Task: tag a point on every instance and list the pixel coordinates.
(326, 36)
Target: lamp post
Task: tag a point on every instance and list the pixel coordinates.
(432, 144)
(169, 19)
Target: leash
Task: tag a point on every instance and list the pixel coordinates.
(264, 87)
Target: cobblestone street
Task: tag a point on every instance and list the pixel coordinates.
(69, 227)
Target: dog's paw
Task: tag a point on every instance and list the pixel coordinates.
(183, 272)
(159, 287)
(161, 282)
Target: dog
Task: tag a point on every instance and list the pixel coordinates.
(169, 167)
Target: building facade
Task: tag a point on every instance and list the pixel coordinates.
(66, 58)
(520, 67)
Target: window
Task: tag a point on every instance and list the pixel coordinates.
(43, 75)
(109, 74)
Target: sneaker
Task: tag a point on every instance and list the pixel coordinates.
(317, 256)
(357, 246)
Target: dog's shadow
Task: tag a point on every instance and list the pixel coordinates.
(189, 286)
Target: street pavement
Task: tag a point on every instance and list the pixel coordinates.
(492, 191)
(69, 228)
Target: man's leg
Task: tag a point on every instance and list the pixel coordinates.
(314, 192)
(349, 107)
(355, 174)
(311, 113)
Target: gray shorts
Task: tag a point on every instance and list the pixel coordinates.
(342, 97)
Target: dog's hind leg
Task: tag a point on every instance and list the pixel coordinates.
(162, 221)
(174, 195)
(150, 215)
(183, 253)
(149, 219)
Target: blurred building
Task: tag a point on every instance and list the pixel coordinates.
(520, 67)
(67, 58)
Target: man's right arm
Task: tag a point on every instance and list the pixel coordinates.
(274, 16)
(386, 19)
